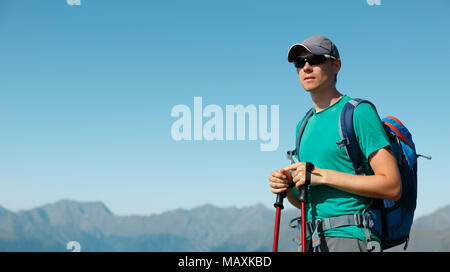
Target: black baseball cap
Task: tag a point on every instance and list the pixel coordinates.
(317, 45)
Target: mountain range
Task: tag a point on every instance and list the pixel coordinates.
(205, 228)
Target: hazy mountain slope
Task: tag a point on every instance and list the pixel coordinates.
(206, 228)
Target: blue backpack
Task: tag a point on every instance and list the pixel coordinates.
(390, 221)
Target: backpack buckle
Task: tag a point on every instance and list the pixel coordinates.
(290, 155)
(344, 142)
(359, 221)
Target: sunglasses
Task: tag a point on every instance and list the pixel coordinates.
(311, 59)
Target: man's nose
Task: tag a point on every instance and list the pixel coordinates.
(307, 67)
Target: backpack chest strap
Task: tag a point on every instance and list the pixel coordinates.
(314, 227)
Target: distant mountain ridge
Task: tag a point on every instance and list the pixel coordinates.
(96, 228)
(205, 228)
(432, 232)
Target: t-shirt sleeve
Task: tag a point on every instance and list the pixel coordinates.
(369, 129)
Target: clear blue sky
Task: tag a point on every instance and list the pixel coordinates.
(86, 93)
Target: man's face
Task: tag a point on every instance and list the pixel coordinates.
(316, 77)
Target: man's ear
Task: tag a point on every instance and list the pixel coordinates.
(337, 65)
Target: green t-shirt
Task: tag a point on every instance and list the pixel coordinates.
(318, 145)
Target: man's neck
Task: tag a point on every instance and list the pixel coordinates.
(322, 99)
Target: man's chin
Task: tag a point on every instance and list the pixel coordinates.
(310, 89)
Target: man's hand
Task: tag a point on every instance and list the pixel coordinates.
(279, 181)
(299, 174)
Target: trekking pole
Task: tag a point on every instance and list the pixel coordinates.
(279, 206)
(303, 198)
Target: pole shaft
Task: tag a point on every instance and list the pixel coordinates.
(277, 230)
(303, 227)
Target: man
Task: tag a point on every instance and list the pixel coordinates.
(335, 189)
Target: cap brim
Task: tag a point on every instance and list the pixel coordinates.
(295, 50)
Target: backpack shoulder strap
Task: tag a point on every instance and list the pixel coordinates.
(348, 136)
(291, 154)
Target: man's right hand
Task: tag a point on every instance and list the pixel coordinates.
(279, 181)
